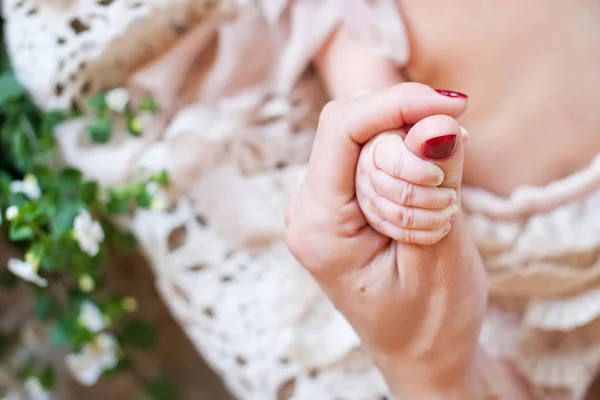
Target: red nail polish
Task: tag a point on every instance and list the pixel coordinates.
(440, 148)
(450, 93)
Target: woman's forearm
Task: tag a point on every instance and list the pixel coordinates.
(458, 380)
(348, 66)
(477, 378)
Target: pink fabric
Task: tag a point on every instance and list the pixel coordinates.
(275, 46)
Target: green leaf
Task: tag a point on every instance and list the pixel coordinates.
(46, 149)
(161, 389)
(80, 262)
(35, 252)
(98, 103)
(100, 130)
(113, 308)
(44, 175)
(89, 192)
(67, 331)
(44, 306)
(10, 88)
(118, 202)
(20, 232)
(123, 365)
(47, 378)
(21, 149)
(148, 104)
(33, 213)
(51, 119)
(55, 256)
(143, 199)
(69, 180)
(125, 242)
(138, 334)
(62, 221)
(5, 180)
(162, 178)
(61, 334)
(134, 126)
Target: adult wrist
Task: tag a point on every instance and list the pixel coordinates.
(431, 381)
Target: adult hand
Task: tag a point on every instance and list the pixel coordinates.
(417, 303)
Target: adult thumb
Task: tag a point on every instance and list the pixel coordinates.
(439, 139)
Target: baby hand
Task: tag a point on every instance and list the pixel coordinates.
(398, 191)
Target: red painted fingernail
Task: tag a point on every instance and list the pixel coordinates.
(440, 148)
(450, 93)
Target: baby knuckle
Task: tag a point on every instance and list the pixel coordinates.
(374, 200)
(398, 165)
(407, 193)
(377, 222)
(374, 206)
(406, 217)
(409, 236)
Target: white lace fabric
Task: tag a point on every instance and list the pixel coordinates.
(239, 109)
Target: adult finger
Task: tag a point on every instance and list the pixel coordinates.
(346, 125)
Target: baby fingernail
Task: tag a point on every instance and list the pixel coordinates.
(452, 94)
(453, 211)
(437, 177)
(453, 197)
(439, 148)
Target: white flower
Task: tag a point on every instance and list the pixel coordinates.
(159, 201)
(94, 358)
(34, 390)
(152, 187)
(27, 271)
(160, 197)
(12, 212)
(84, 369)
(91, 317)
(28, 186)
(117, 99)
(89, 233)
